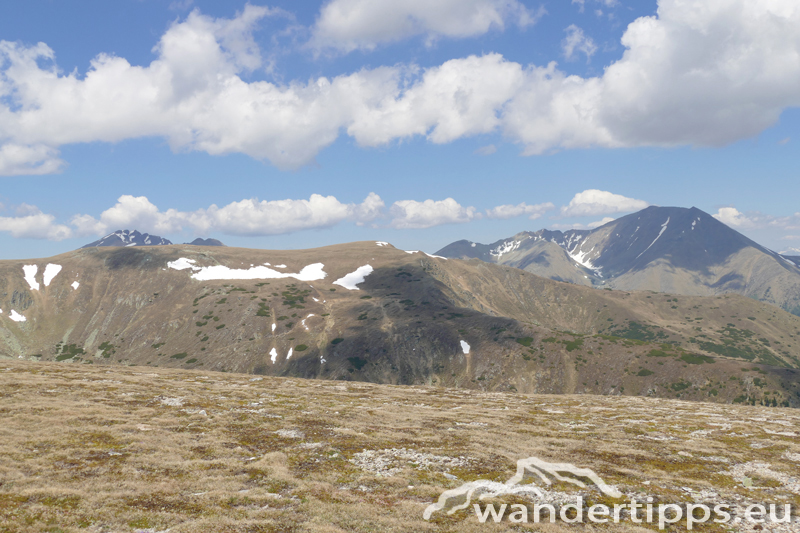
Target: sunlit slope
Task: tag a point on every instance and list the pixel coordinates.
(413, 319)
(664, 249)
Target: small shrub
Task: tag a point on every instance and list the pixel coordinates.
(525, 341)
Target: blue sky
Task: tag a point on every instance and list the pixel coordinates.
(301, 124)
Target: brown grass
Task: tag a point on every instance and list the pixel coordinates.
(95, 449)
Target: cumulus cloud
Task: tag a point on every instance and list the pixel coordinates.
(598, 223)
(20, 160)
(31, 223)
(461, 97)
(578, 225)
(754, 220)
(593, 202)
(511, 211)
(347, 25)
(700, 72)
(576, 41)
(410, 214)
(247, 217)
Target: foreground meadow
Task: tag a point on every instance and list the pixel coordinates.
(98, 449)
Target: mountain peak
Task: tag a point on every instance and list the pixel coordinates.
(205, 242)
(126, 237)
(665, 249)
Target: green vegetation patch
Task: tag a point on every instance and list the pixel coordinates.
(573, 344)
(190, 361)
(644, 372)
(694, 359)
(525, 341)
(680, 385)
(300, 348)
(178, 355)
(263, 310)
(357, 362)
(294, 297)
(68, 351)
(108, 349)
(337, 340)
(639, 332)
(158, 345)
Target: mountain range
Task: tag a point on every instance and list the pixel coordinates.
(370, 312)
(126, 237)
(664, 249)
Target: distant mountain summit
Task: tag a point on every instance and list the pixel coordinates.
(126, 237)
(205, 242)
(663, 249)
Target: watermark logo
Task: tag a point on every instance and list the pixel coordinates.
(528, 469)
(533, 470)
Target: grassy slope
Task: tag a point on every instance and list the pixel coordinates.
(90, 448)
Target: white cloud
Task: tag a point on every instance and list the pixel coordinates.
(461, 97)
(34, 224)
(598, 223)
(246, 217)
(20, 160)
(576, 41)
(734, 218)
(410, 214)
(347, 25)
(510, 211)
(607, 3)
(754, 220)
(593, 202)
(700, 72)
(785, 140)
(577, 225)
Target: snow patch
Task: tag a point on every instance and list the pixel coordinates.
(75, 285)
(50, 271)
(464, 347)
(274, 353)
(426, 253)
(183, 264)
(352, 279)
(580, 258)
(505, 248)
(30, 276)
(273, 327)
(304, 322)
(322, 360)
(288, 355)
(472, 244)
(16, 317)
(280, 266)
(310, 272)
(660, 233)
(381, 243)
